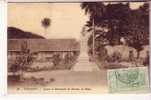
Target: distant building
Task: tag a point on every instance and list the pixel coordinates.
(42, 50)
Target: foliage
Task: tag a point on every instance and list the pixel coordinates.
(94, 9)
(120, 21)
(23, 60)
(102, 53)
(138, 33)
(115, 57)
(46, 23)
(114, 19)
(56, 59)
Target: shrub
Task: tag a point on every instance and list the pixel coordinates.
(56, 59)
(102, 53)
(115, 57)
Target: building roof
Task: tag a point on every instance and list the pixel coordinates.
(44, 44)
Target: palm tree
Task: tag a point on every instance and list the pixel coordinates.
(94, 9)
(46, 23)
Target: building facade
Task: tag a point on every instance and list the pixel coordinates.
(40, 54)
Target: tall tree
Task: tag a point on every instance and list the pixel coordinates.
(116, 17)
(46, 23)
(94, 9)
(138, 34)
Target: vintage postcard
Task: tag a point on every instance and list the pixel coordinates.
(78, 47)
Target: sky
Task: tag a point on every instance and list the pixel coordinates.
(67, 19)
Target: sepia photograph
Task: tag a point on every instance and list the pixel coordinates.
(78, 47)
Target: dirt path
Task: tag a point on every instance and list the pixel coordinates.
(95, 80)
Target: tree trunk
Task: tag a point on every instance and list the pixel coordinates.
(138, 54)
(45, 31)
(93, 45)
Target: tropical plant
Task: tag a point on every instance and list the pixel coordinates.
(22, 61)
(121, 22)
(94, 9)
(138, 33)
(46, 23)
(116, 19)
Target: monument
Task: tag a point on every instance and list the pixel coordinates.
(83, 62)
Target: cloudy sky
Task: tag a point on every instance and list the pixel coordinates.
(67, 18)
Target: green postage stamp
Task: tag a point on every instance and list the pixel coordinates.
(130, 80)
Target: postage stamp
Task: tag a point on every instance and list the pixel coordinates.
(128, 80)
